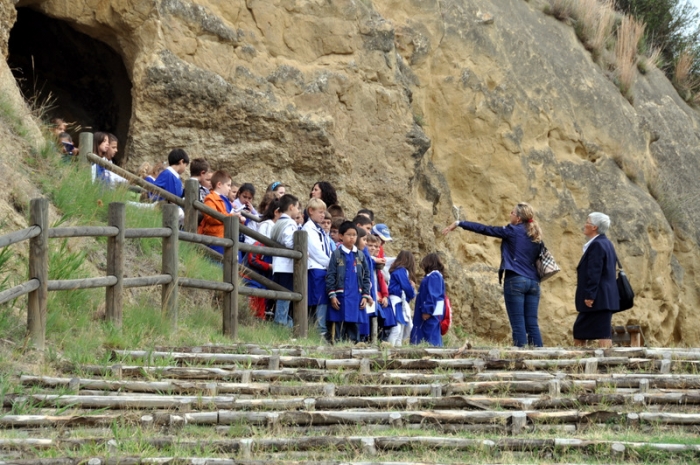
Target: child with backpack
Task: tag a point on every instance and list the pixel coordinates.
(430, 303)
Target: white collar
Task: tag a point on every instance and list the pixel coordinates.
(346, 250)
(172, 170)
(434, 271)
(587, 244)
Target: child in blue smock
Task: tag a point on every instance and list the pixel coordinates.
(347, 284)
(401, 292)
(364, 327)
(430, 303)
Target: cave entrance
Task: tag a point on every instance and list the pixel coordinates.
(86, 79)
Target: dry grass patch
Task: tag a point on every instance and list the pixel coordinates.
(629, 33)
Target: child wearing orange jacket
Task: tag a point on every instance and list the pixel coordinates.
(217, 200)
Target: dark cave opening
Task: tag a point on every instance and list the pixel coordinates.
(85, 79)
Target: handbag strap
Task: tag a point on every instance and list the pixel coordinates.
(619, 265)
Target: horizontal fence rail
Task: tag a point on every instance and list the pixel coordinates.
(19, 291)
(19, 236)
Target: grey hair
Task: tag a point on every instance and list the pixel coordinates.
(601, 220)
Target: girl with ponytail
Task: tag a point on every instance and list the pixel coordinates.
(520, 248)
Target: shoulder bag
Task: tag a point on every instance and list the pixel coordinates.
(545, 264)
(624, 289)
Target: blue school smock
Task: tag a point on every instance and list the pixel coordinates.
(351, 297)
(430, 300)
(364, 326)
(317, 287)
(399, 283)
(170, 182)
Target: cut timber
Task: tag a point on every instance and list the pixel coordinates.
(24, 421)
(130, 401)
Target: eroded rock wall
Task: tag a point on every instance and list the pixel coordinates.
(410, 107)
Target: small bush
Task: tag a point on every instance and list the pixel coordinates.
(629, 34)
(686, 79)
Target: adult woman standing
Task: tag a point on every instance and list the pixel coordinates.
(520, 248)
(597, 297)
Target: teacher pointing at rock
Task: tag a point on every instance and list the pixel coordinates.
(522, 242)
(596, 288)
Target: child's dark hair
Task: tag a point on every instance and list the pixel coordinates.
(267, 198)
(328, 194)
(405, 260)
(336, 222)
(274, 186)
(111, 137)
(367, 212)
(246, 187)
(177, 155)
(361, 220)
(198, 167)
(361, 233)
(336, 211)
(345, 226)
(65, 135)
(432, 262)
(269, 212)
(219, 177)
(97, 139)
(286, 201)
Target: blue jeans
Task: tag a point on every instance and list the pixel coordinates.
(522, 296)
(321, 312)
(282, 314)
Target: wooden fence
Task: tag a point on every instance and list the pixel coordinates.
(38, 234)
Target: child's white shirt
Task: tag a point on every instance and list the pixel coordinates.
(282, 264)
(318, 258)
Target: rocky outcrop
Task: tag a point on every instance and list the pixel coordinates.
(413, 107)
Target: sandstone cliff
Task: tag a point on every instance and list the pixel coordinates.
(411, 107)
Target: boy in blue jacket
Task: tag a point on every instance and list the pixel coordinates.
(347, 284)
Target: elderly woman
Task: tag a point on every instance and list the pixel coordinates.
(522, 242)
(596, 288)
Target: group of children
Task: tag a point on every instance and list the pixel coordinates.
(348, 283)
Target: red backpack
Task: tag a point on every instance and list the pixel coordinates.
(447, 319)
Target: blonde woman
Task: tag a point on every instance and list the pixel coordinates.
(520, 248)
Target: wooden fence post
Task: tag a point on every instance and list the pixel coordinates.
(301, 310)
(38, 269)
(115, 264)
(191, 194)
(85, 147)
(170, 263)
(230, 313)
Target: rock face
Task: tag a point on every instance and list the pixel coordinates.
(412, 107)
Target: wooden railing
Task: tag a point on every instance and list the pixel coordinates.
(38, 284)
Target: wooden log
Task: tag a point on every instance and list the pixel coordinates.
(26, 444)
(131, 401)
(514, 376)
(145, 281)
(300, 278)
(230, 310)
(274, 362)
(203, 239)
(86, 141)
(85, 283)
(205, 284)
(143, 233)
(26, 421)
(115, 264)
(268, 294)
(271, 251)
(670, 418)
(83, 231)
(490, 386)
(19, 290)
(191, 194)
(39, 270)
(19, 236)
(170, 265)
(568, 416)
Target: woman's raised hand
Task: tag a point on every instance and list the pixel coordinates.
(450, 228)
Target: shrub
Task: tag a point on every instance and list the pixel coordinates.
(629, 33)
